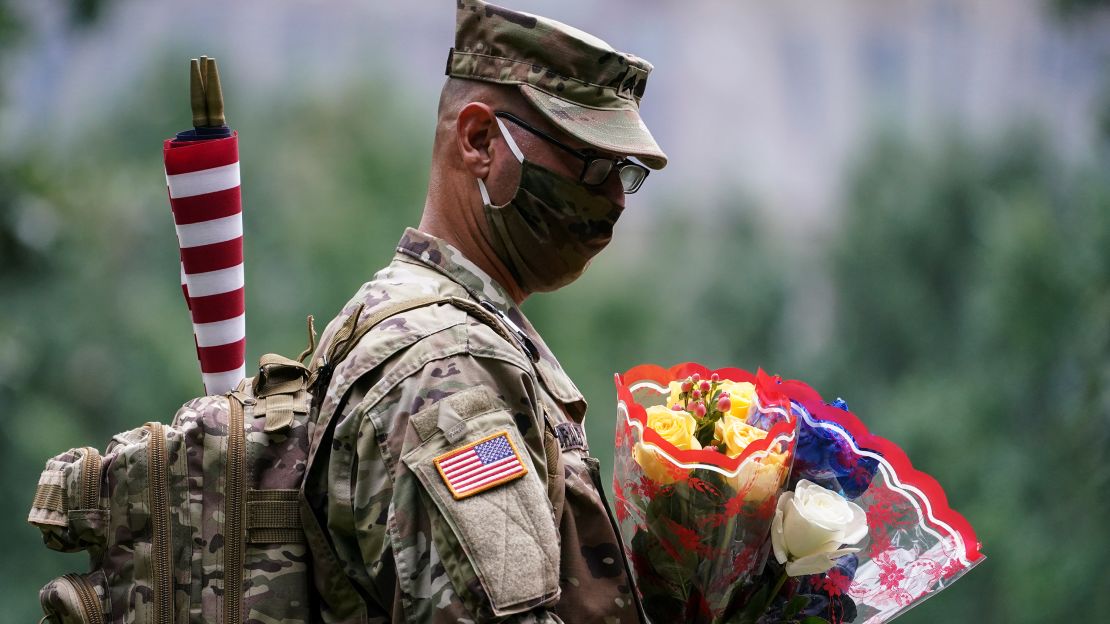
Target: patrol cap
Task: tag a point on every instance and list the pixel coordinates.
(576, 80)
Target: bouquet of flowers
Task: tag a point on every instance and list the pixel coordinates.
(745, 498)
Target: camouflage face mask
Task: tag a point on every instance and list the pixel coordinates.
(550, 230)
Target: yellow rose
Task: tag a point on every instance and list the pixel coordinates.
(742, 396)
(654, 466)
(767, 478)
(675, 427)
(676, 390)
(736, 434)
(760, 478)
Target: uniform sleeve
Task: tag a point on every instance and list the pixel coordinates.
(448, 497)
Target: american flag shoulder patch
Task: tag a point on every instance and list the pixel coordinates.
(481, 465)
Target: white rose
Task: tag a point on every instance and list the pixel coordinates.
(810, 526)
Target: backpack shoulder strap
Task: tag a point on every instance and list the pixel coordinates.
(353, 330)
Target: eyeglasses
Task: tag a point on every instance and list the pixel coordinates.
(595, 169)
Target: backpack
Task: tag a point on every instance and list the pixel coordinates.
(201, 520)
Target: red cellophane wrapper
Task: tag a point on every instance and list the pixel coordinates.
(696, 522)
(916, 544)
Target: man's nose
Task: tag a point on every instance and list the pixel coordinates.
(612, 188)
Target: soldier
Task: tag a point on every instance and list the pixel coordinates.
(450, 478)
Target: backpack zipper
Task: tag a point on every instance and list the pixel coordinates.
(90, 479)
(234, 496)
(86, 595)
(161, 563)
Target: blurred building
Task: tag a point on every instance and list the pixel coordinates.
(774, 98)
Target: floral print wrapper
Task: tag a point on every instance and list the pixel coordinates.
(916, 544)
(701, 460)
(695, 520)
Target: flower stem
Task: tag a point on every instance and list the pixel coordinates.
(774, 593)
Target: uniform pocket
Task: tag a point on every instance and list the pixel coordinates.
(485, 487)
(75, 599)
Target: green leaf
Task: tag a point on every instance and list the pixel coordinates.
(755, 606)
(704, 433)
(795, 606)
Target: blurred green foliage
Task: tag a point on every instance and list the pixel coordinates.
(973, 289)
(1079, 7)
(960, 306)
(94, 334)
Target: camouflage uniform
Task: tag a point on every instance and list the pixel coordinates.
(396, 541)
(391, 538)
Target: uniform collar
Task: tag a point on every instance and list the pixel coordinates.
(437, 254)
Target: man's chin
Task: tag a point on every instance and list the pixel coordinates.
(596, 245)
(567, 280)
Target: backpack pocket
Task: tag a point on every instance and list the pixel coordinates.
(76, 599)
(276, 573)
(67, 505)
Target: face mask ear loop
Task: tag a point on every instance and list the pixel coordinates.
(516, 152)
(509, 139)
(484, 192)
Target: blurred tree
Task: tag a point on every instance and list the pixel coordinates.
(94, 334)
(9, 26)
(1075, 7)
(973, 289)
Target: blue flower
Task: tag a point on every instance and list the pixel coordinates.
(825, 457)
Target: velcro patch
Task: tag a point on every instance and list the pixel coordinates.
(571, 436)
(479, 466)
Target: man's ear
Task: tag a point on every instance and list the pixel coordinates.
(475, 131)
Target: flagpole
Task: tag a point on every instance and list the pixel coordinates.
(203, 184)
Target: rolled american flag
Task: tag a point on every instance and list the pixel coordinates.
(202, 178)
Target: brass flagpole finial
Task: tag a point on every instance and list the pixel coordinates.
(205, 94)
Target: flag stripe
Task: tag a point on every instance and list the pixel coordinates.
(455, 455)
(462, 471)
(464, 456)
(188, 156)
(219, 307)
(203, 182)
(489, 479)
(469, 467)
(184, 285)
(215, 282)
(221, 332)
(206, 207)
(219, 383)
(223, 357)
(462, 465)
(203, 185)
(211, 231)
(481, 465)
(466, 480)
(213, 257)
